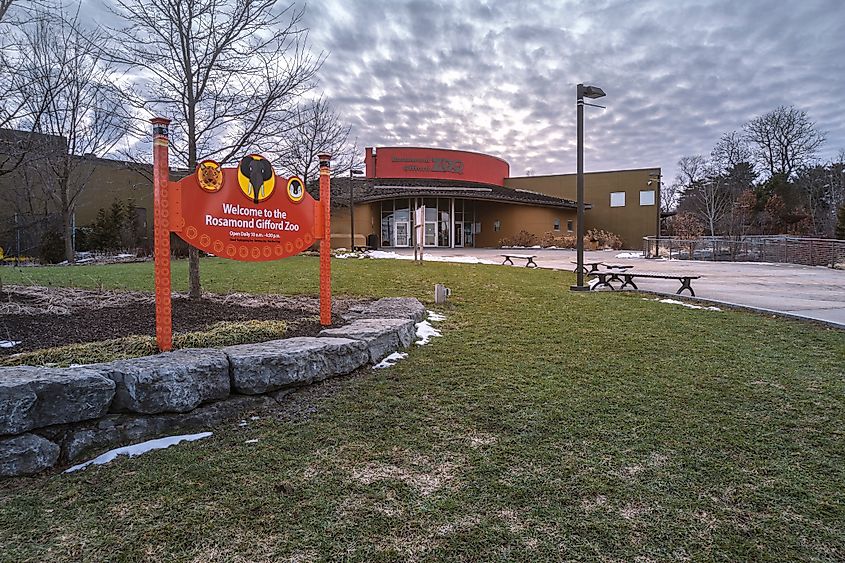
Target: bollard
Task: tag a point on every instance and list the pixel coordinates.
(441, 292)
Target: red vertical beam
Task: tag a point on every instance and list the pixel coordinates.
(161, 229)
(326, 242)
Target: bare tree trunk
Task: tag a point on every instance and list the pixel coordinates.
(67, 222)
(67, 211)
(194, 287)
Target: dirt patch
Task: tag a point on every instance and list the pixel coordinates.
(40, 318)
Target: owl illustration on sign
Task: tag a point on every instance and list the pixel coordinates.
(256, 178)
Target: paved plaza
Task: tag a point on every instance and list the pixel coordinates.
(814, 292)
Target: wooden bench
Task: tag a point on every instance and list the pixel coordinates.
(627, 279)
(530, 263)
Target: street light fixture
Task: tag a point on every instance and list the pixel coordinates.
(352, 172)
(582, 92)
(656, 178)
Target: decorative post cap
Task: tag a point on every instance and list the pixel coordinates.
(324, 159)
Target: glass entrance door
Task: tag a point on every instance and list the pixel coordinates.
(459, 234)
(403, 233)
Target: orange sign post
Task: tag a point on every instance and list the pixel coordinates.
(245, 213)
(326, 243)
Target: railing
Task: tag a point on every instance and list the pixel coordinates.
(752, 248)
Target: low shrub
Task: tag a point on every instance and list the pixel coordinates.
(522, 238)
(594, 239)
(557, 240)
(52, 248)
(603, 239)
(223, 333)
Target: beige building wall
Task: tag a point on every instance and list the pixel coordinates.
(631, 222)
(367, 217)
(514, 218)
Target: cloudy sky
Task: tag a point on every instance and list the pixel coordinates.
(499, 76)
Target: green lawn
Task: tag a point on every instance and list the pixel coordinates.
(543, 425)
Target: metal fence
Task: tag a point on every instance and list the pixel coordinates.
(753, 248)
(21, 234)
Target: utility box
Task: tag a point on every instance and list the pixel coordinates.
(441, 292)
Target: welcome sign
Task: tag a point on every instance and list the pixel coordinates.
(226, 213)
(245, 213)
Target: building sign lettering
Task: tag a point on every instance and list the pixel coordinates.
(431, 165)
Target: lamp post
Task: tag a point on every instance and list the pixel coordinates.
(582, 92)
(352, 172)
(656, 177)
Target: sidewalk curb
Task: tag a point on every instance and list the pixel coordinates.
(738, 307)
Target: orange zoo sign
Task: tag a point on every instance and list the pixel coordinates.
(245, 213)
(227, 221)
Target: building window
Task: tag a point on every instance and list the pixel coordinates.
(497, 225)
(556, 225)
(569, 225)
(647, 197)
(617, 199)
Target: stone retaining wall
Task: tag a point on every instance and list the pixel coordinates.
(55, 415)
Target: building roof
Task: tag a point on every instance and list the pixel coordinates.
(366, 190)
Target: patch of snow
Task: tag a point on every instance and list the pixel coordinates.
(126, 256)
(138, 449)
(9, 343)
(253, 441)
(391, 360)
(427, 257)
(630, 255)
(592, 283)
(434, 316)
(426, 332)
(684, 304)
(254, 417)
(242, 423)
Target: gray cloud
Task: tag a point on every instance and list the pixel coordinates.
(499, 77)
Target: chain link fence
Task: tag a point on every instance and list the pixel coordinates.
(753, 248)
(22, 235)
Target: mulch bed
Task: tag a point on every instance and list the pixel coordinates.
(45, 330)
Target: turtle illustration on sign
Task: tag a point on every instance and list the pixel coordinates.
(256, 178)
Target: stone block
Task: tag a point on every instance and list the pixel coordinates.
(120, 429)
(267, 366)
(26, 454)
(383, 336)
(34, 397)
(170, 382)
(387, 308)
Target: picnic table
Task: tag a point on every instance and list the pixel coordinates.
(594, 266)
(530, 263)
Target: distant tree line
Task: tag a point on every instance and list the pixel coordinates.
(764, 179)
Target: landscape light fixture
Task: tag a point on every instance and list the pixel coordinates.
(582, 92)
(352, 173)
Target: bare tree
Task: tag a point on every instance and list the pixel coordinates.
(730, 151)
(318, 130)
(228, 73)
(21, 104)
(784, 140)
(713, 200)
(4, 7)
(81, 117)
(703, 191)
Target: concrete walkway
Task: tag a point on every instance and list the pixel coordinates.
(813, 292)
